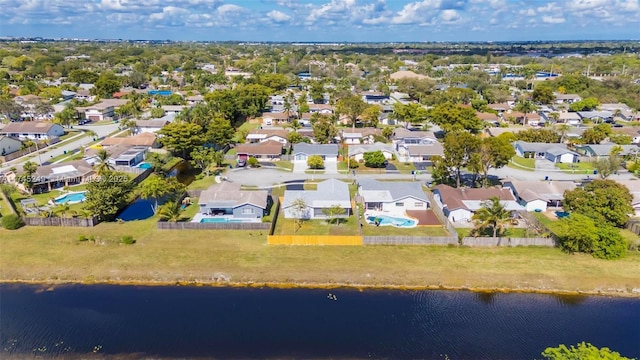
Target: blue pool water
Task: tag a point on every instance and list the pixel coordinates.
(71, 198)
(561, 214)
(144, 165)
(138, 210)
(219, 220)
(393, 221)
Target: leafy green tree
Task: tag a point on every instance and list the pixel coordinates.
(586, 104)
(218, 158)
(458, 147)
(417, 89)
(202, 158)
(371, 115)
(609, 165)
(610, 244)
(493, 215)
(621, 139)
(11, 222)
(130, 124)
(605, 201)
(156, 187)
(543, 94)
(494, 153)
(411, 113)
(106, 195)
(353, 106)
(294, 137)
(332, 213)
(583, 351)
(220, 132)
(276, 82)
(324, 129)
(315, 162)
(538, 135)
(107, 84)
(181, 137)
(253, 162)
(157, 112)
(374, 159)
(137, 79)
(10, 109)
(83, 76)
(596, 134)
(387, 132)
(577, 233)
(300, 213)
(451, 117)
(66, 116)
(316, 91)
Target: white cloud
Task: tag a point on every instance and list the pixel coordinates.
(450, 16)
(278, 16)
(552, 20)
(416, 12)
(528, 12)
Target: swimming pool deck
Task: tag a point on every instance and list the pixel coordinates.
(425, 217)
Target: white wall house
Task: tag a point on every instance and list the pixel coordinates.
(33, 130)
(392, 197)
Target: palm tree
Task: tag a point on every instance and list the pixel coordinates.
(526, 107)
(103, 164)
(171, 211)
(562, 129)
(62, 210)
(492, 214)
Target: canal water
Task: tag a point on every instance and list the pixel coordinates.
(202, 322)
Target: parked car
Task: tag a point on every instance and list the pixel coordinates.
(616, 125)
(241, 163)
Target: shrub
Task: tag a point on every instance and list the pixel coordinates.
(82, 238)
(252, 162)
(11, 222)
(266, 219)
(128, 240)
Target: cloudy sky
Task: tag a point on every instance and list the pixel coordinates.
(323, 20)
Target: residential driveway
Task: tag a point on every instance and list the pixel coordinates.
(299, 167)
(422, 165)
(542, 164)
(331, 167)
(390, 168)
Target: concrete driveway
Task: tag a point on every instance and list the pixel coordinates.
(299, 166)
(331, 167)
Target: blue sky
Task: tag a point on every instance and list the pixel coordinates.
(323, 20)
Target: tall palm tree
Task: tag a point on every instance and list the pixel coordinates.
(103, 162)
(492, 214)
(562, 129)
(526, 107)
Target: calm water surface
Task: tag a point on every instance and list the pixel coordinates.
(169, 322)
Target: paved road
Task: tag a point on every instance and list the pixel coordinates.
(264, 177)
(48, 153)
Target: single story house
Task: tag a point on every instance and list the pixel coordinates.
(490, 117)
(596, 115)
(356, 152)
(567, 98)
(330, 192)
(360, 135)
(556, 153)
(328, 152)
(604, 150)
(321, 108)
(227, 199)
(374, 97)
(405, 136)
(9, 145)
(500, 107)
(392, 196)
(419, 152)
(48, 177)
(459, 204)
(262, 135)
(271, 118)
(146, 139)
(33, 130)
(631, 131)
(264, 150)
(126, 156)
(538, 195)
(104, 110)
(532, 119)
(151, 125)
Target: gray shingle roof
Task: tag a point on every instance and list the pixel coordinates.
(228, 194)
(329, 192)
(316, 149)
(388, 191)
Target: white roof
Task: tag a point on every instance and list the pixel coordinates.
(474, 205)
(63, 169)
(377, 195)
(257, 136)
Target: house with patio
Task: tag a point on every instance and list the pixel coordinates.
(302, 151)
(33, 130)
(460, 204)
(226, 199)
(360, 135)
(269, 150)
(54, 176)
(392, 196)
(556, 153)
(539, 195)
(274, 118)
(356, 152)
(329, 193)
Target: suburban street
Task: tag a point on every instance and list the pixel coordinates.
(45, 154)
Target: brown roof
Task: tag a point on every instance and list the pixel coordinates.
(518, 115)
(66, 169)
(278, 116)
(142, 139)
(321, 107)
(366, 131)
(274, 132)
(40, 127)
(453, 197)
(268, 147)
(500, 106)
(486, 116)
(227, 194)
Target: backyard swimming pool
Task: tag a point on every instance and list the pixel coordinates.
(71, 198)
(145, 165)
(221, 220)
(385, 220)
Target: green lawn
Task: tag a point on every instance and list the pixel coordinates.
(5, 208)
(314, 171)
(284, 164)
(169, 256)
(347, 226)
(510, 232)
(581, 167)
(403, 168)
(523, 162)
(202, 184)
